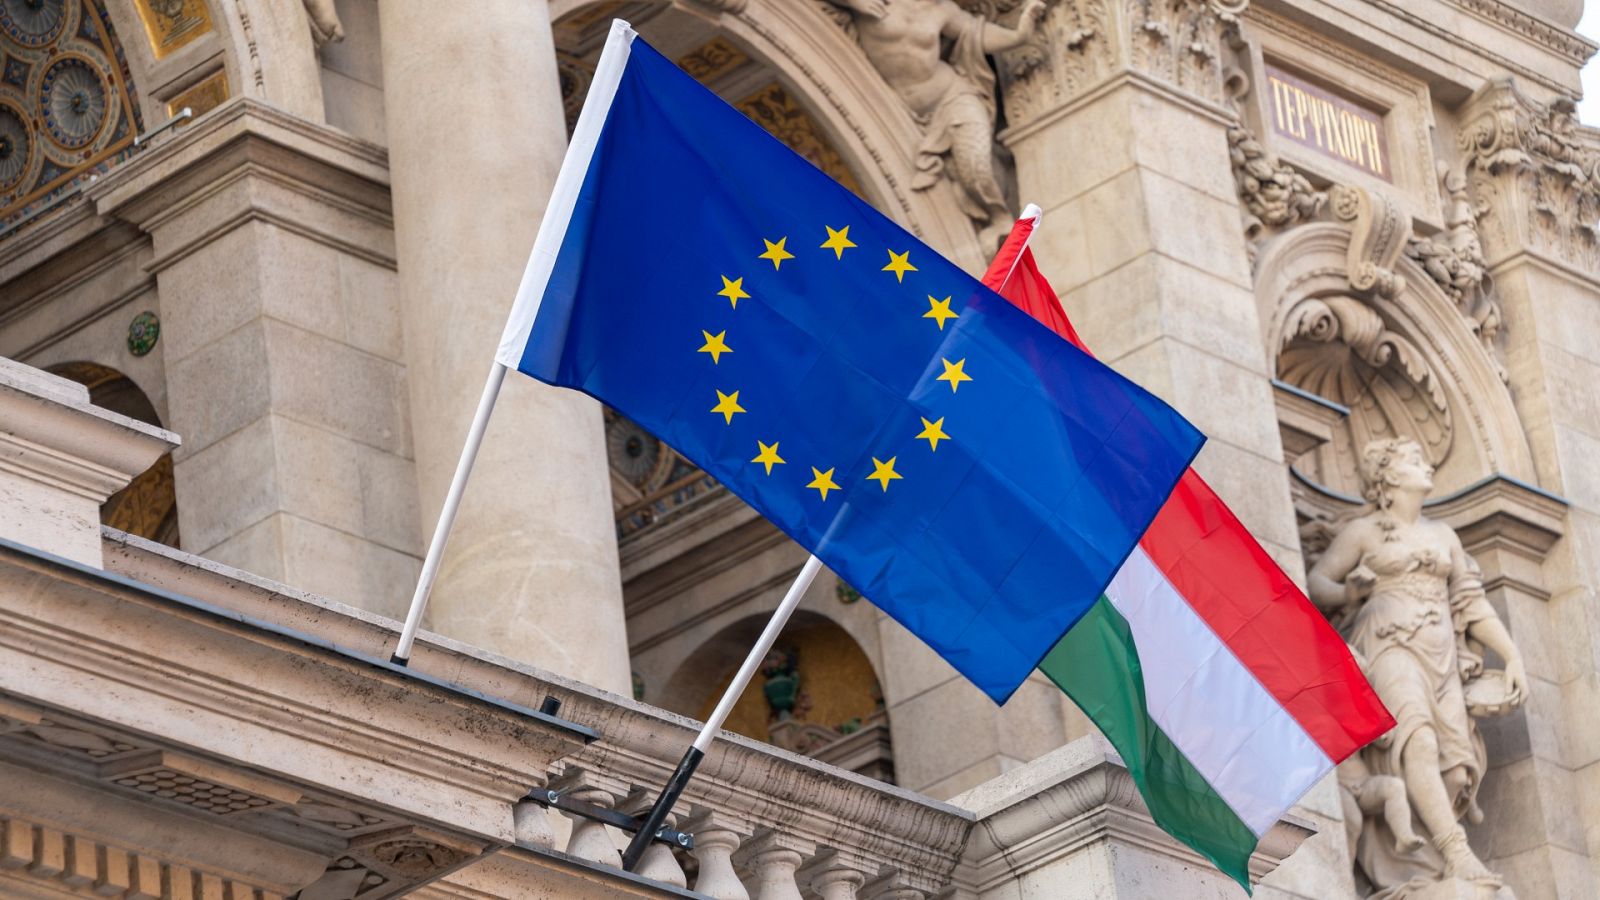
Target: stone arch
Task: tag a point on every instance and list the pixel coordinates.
(821, 688)
(199, 53)
(1407, 354)
(823, 69)
(148, 506)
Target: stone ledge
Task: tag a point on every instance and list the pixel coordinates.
(751, 784)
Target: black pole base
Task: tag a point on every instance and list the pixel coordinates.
(658, 812)
(399, 660)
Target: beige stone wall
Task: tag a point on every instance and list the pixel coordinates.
(295, 328)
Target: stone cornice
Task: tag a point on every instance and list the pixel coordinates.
(299, 710)
(748, 784)
(50, 433)
(248, 161)
(1568, 43)
(1045, 811)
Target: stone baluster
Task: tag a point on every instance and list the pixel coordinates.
(829, 875)
(657, 863)
(589, 839)
(531, 823)
(772, 859)
(715, 841)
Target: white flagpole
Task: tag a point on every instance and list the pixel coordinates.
(1031, 211)
(552, 228)
(708, 731)
(447, 516)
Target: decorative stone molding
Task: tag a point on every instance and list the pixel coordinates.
(50, 860)
(1273, 195)
(1378, 235)
(1560, 40)
(1081, 43)
(1535, 180)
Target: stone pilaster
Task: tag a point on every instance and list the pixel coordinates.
(1534, 174)
(1116, 124)
(476, 134)
(273, 261)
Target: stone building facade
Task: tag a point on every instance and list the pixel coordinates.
(255, 255)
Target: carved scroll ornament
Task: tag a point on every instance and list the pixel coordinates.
(1339, 348)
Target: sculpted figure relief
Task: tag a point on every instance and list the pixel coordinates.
(951, 94)
(1410, 601)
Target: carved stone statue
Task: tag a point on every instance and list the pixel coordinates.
(951, 95)
(1410, 601)
(325, 25)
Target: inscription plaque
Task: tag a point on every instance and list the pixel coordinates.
(1314, 117)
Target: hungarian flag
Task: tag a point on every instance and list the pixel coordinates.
(1224, 690)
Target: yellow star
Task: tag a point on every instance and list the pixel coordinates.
(953, 373)
(939, 311)
(768, 456)
(899, 264)
(883, 471)
(934, 432)
(775, 252)
(733, 289)
(838, 241)
(727, 404)
(823, 481)
(715, 346)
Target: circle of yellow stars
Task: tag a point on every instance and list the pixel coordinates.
(767, 456)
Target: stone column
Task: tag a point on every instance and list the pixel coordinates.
(1119, 135)
(1120, 129)
(476, 135)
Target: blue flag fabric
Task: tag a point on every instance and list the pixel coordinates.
(977, 477)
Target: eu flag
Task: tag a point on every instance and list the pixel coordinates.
(977, 477)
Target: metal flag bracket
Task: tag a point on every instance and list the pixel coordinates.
(559, 800)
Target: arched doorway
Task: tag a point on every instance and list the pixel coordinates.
(816, 694)
(148, 506)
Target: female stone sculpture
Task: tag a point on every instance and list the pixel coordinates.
(951, 95)
(1410, 601)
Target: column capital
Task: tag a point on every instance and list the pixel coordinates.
(1084, 44)
(1535, 174)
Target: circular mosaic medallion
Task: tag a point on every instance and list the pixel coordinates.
(72, 99)
(143, 332)
(14, 148)
(33, 23)
(635, 454)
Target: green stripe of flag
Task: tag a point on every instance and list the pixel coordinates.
(1097, 665)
